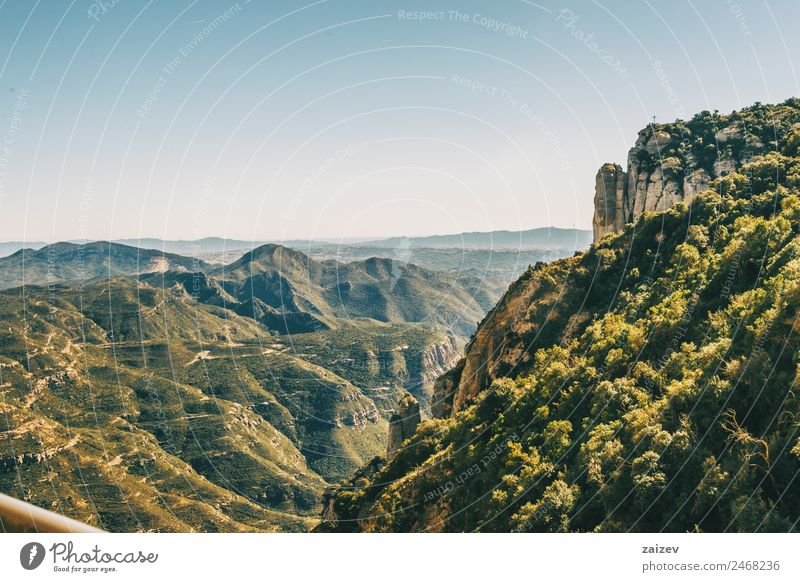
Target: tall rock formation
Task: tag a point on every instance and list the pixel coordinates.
(669, 163)
(609, 200)
(403, 423)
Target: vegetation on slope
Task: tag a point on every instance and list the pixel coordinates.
(653, 383)
(133, 405)
(126, 446)
(290, 292)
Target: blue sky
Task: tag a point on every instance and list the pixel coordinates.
(270, 120)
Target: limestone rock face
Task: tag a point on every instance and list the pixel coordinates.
(732, 132)
(444, 390)
(695, 183)
(662, 170)
(328, 502)
(653, 141)
(609, 200)
(403, 423)
(425, 366)
(724, 166)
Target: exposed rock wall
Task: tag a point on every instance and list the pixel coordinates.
(444, 390)
(610, 213)
(403, 423)
(663, 169)
(501, 345)
(425, 366)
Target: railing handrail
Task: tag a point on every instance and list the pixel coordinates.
(17, 515)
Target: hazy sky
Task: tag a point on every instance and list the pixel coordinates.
(280, 119)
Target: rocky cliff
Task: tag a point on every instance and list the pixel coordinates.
(527, 316)
(646, 384)
(403, 424)
(672, 163)
(423, 367)
(669, 163)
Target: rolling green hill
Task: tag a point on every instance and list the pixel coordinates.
(132, 407)
(113, 434)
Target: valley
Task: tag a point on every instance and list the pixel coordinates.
(142, 390)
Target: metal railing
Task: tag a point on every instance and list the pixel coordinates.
(19, 516)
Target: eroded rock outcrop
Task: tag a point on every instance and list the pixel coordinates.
(425, 366)
(503, 344)
(444, 390)
(403, 423)
(669, 163)
(609, 200)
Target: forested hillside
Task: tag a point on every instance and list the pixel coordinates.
(648, 384)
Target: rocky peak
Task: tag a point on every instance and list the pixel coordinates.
(670, 163)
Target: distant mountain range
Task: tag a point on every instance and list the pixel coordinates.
(228, 397)
(540, 238)
(282, 288)
(65, 262)
(292, 293)
(195, 247)
(11, 247)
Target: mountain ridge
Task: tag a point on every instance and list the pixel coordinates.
(216, 244)
(66, 262)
